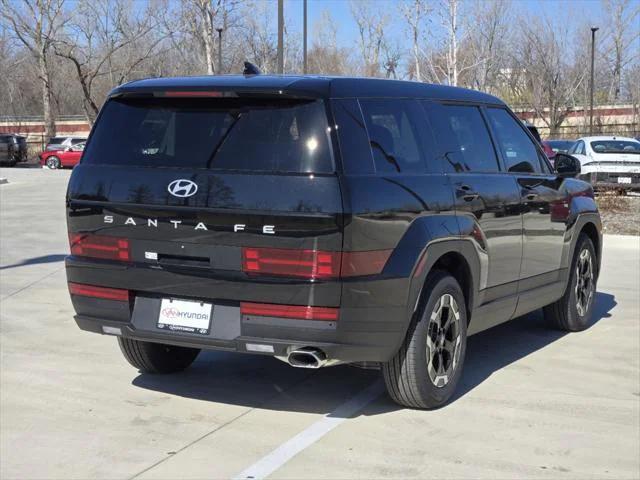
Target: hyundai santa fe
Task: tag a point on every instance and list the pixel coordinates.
(323, 221)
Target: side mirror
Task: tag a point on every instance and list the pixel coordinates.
(67, 149)
(566, 165)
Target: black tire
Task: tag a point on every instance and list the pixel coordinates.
(407, 375)
(564, 313)
(52, 162)
(149, 357)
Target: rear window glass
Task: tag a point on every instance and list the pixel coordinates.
(230, 134)
(615, 146)
(393, 135)
(57, 140)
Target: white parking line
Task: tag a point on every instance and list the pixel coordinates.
(285, 452)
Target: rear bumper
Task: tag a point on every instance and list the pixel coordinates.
(610, 181)
(335, 352)
(372, 314)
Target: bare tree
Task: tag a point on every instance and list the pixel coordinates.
(35, 23)
(96, 43)
(489, 43)
(415, 13)
(371, 24)
(259, 38)
(325, 56)
(624, 32)
(551, 82)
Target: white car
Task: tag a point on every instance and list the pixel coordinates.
(60, 143)
(609, 162)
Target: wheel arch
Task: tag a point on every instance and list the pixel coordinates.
(590, 224)
(456, 257)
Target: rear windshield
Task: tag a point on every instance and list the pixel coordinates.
(615, 146)
(228, 134)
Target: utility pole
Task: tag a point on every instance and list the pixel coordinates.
(593, 49)
(304, 36)
(219, 30)
(281, 36)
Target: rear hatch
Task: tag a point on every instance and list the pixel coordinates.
(615, 156)
(229, 198)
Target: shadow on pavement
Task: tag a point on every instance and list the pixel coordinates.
(493, 349)
(267, 383)
(36, 261)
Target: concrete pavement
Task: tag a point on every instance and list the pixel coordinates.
(533, 402)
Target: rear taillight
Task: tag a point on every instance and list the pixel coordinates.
(289, 311)
(312, 264)
(105, 293)
(99, 246)
(291, 263)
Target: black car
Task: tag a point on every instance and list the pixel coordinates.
(13, 149)
(322, 221)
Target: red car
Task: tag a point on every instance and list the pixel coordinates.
(546, 146)
(69, 157)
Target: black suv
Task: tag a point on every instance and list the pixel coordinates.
(322, 221)
(13, 149)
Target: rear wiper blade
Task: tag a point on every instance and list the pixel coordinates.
(222, 140)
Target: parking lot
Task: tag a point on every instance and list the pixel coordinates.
(532, 403)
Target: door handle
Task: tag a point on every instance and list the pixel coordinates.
(467, 193)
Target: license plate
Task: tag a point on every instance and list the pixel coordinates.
(185, 316)
(624, 179)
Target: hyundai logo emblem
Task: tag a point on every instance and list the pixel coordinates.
(182, 188)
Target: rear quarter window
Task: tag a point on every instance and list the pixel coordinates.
(394, 128)
(262, 135)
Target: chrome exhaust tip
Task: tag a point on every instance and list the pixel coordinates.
(307, 357)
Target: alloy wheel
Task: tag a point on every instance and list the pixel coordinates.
(443, 340)
(584, 282)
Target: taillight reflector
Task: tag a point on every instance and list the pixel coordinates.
(99, 292)
(289, 311)
(99, 246)
(364, 263)
(312, 264)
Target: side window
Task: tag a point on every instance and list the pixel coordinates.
(518, 150)
(352, 136)
(577, 148)
(394, 132)
(463, 136)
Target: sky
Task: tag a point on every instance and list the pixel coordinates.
(589, 11)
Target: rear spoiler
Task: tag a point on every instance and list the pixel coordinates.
(213, 92)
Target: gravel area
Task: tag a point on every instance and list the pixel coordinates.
(620, 215)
